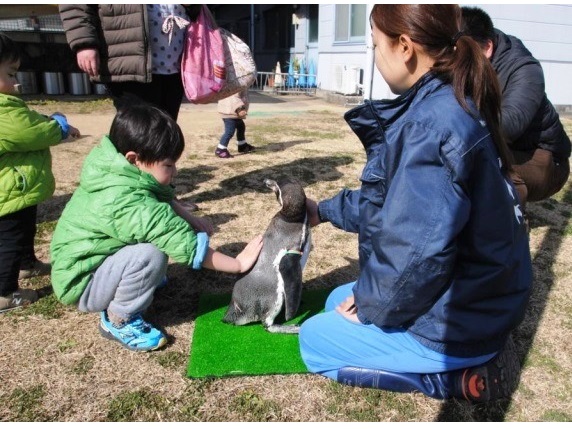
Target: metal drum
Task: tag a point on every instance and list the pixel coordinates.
(79, 84)
(53, 83)
(28, 82)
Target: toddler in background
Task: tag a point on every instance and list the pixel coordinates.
(26, 179)
(233, 110)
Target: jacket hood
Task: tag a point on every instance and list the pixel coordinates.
(509, 53)
(104, 161)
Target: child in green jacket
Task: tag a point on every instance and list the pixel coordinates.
(26, 179)
(111, 245)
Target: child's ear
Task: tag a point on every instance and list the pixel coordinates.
(131, 157)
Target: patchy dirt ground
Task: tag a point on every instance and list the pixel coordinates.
(57, 367)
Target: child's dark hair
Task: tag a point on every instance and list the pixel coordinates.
(9, 50)
(148, 131)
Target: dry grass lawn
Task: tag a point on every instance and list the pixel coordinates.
(57, 367)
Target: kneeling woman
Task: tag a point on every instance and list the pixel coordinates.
(445, 269)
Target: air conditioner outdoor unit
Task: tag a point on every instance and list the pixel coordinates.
(346, 79)
(350, 80)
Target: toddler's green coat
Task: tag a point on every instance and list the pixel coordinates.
(115, 205)
(26, 177)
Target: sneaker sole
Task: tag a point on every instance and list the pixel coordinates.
(31, 274)
(105, 333)
(494, 379)
(6, 310)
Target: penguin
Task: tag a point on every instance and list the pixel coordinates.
(275, 280)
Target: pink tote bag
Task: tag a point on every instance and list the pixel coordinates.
(203, 62)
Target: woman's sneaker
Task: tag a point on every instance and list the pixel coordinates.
(135, 334)
(245, 148)
(17, 299)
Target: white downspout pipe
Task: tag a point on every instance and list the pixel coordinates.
(369, 62)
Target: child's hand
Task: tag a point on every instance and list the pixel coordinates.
(242, 114)
(73, 132)
(201, 225)
(249, 255)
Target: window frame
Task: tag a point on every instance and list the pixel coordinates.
(349, 38)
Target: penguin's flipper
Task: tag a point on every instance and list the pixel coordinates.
(291, 272)
(283, 329)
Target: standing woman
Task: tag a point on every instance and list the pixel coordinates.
(134, 49)
(445, 269)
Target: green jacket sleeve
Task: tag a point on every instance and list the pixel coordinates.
(24, 130)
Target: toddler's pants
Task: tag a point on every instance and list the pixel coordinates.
(17, 231)
(230, 126)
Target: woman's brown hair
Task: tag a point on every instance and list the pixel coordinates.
(458, 59)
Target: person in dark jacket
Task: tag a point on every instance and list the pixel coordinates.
(445, 268)
(134, 49)
(532, 127)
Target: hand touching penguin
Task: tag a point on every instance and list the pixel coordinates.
(276, 278)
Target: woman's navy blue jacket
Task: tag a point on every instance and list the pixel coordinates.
(443, 250)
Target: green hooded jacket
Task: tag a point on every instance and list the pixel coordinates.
(26, 177)
(115, 205)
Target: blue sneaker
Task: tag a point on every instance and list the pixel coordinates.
(136, 334)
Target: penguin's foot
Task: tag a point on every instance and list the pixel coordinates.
(283, 329)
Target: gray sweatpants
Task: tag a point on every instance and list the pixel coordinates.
(124, 284)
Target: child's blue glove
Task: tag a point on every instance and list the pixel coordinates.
(63, 123)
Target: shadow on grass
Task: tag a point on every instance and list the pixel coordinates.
(307, 171)
(51, 209)
(544, 279)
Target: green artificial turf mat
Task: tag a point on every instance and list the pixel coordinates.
(220, 350)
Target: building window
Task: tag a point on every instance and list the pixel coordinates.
(350, 22)
(313, 23)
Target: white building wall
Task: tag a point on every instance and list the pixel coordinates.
(546, 30)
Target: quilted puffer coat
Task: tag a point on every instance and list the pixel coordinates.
(529, 119)
(26, 177)
(118, 31)
(115, 205)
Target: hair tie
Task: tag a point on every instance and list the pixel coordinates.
(456, 37)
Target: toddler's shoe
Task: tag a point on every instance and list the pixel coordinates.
(38, 268)
(135, 334)
(245, 148)
(19, 298)
(223, 153)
